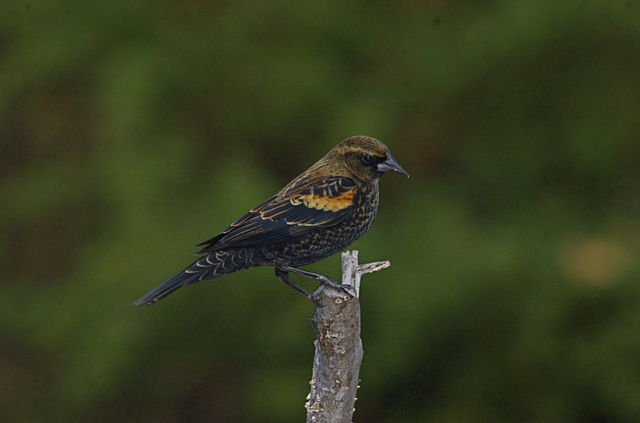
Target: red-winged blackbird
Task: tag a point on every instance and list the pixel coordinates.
(317, 214)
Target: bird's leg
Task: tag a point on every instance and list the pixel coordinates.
(319, 277)
(283, 275)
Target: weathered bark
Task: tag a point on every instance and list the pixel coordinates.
(338, 355)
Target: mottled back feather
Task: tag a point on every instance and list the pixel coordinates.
(308, 204)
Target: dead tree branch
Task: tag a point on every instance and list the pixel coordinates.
(338, 347)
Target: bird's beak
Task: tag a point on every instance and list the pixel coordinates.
(391, 165)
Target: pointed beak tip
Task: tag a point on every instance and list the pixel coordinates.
(401, 171)
(392, 165)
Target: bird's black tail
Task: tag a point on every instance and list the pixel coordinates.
(212, 265)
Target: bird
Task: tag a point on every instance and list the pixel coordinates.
(317, 214)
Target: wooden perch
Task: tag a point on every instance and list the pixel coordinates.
(338, 355)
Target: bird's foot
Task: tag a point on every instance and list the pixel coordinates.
(347, 289)
(325, 280)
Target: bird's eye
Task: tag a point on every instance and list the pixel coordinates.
(367, 159)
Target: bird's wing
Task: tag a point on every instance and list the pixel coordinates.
(305, 205)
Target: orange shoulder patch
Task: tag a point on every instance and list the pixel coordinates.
(324, 203)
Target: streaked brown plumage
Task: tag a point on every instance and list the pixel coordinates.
(317, 214)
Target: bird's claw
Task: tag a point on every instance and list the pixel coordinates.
(347, 289)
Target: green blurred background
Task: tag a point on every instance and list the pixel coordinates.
(132, 129)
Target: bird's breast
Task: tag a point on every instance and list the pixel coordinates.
(326, 241)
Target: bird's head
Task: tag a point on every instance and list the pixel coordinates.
(365, 158)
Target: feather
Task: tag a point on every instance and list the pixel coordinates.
(307, 204)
